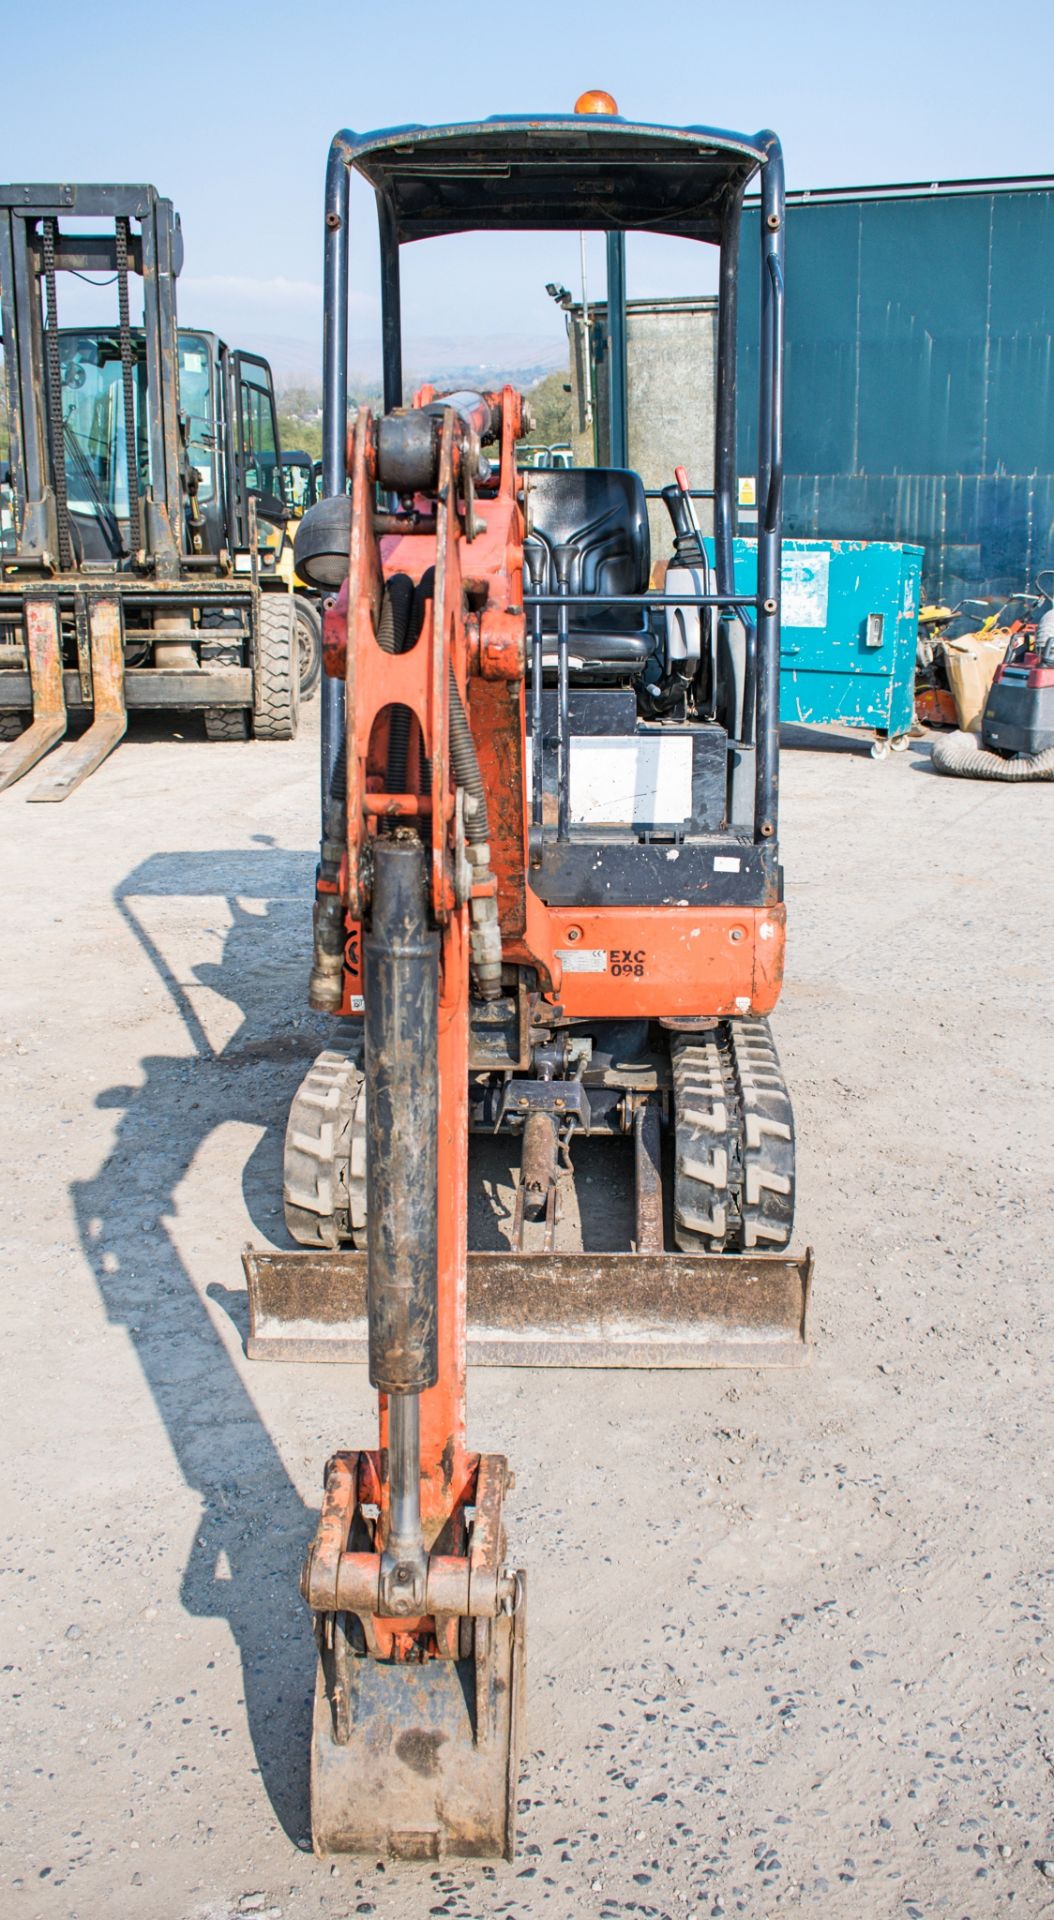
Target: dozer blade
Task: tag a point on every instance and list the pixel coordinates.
(417, 1761)
(81, 757)
(555, 1309)
(43, 646)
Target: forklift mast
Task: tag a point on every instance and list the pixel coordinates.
(33, 251)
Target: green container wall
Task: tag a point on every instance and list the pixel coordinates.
(919, 380)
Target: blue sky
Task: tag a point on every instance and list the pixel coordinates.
(231, 112)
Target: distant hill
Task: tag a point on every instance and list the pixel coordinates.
(300, 403)
(521, 359)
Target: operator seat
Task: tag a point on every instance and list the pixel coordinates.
(601, 515)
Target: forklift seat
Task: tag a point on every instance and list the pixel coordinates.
(601, 515)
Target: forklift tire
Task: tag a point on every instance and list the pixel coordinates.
(11, 725)
(223, 723)
(309, 636)
(276, 687)
(226, 723)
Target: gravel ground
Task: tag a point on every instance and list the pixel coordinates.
(788, 1646)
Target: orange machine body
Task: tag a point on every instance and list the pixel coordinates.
(606, 962)
(684, 959)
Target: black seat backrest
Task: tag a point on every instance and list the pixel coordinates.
(599, 511)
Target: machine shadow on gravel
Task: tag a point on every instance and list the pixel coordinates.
(244, 1565)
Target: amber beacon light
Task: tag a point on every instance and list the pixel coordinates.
(595, 100)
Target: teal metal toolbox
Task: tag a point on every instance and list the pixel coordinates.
(849, 632)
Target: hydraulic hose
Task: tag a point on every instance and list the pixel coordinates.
(962, 754)
(485, 931)
(393, 635)
(326, 984)
(466, 769)
(462, 746)
(401, 618)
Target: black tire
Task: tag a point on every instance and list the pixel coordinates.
(226, 723)
(309, 637)
(276, 687)
(223, 723)
(11, 725)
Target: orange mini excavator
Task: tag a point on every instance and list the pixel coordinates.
(549, 905)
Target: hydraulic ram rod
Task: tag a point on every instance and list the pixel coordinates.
(402, 1100)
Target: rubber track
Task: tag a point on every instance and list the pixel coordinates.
(767, 1137)
(734, 1155)
(324, 1168)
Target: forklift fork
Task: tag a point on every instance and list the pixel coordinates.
(44, 647)
(81, 757)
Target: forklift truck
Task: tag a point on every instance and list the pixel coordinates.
(145, 470)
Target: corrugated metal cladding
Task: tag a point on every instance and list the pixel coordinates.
(671, 349)
(919, 395)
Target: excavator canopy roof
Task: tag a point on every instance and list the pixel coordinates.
(554, 171)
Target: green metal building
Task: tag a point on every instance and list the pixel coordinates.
(920, 374)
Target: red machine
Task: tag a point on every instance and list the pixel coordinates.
(510, 943)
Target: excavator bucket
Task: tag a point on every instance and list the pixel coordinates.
(418, 1761)
(555, 1309)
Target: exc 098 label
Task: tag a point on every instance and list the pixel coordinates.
(626, 963)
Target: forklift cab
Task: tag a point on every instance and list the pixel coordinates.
(229, 438)
(300, 482)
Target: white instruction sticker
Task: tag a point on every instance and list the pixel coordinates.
(727, 863)
(636, 780)
(805, 582)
